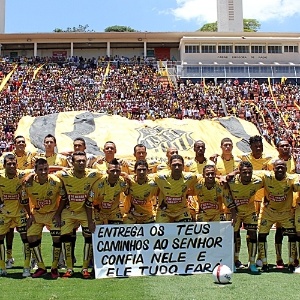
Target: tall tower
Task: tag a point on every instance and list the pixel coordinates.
(2, 16)
(230, 16)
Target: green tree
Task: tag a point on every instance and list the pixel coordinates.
(250, 25)
(118, 28)
(80, 28)
(211, 27)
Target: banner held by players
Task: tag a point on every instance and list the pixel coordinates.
(156, 135)
(161, 249)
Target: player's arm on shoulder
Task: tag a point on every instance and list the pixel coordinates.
(260, 173)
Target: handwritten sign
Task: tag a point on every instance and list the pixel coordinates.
(161, 249)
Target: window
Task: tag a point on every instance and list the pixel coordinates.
(192, 49)
(193, 69)
(208, 49)
(236, 69)
(291, 49)
(253, 69)
(225, 49)
(258, 49)
(275, 49)
(242, 49)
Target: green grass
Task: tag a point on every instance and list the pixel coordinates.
(277, 284)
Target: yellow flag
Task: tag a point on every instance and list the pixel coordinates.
(5, 80)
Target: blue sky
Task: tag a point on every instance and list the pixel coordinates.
(143, 15)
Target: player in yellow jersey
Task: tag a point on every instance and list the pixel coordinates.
(44, 192)
(256, 157)
(259, 161)
(196, 166)
(12, 210)
(140, 153)
(166, 165)
(110, 151)
(105, 195)
(284, 153)
(56, 161)
(78, 210)
(211, 196)
(141, 196)
(225, 163)
(200, 161)
(277, 207)
(173, 188)
(80, 145)
(243, 188)
(24, 161)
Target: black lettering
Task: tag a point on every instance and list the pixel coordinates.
(206, 229)
(189, 267)
(143, 268)
(127, 271)
(99, 246)
(201, 256)
(160, 244)
(181, 257)
(110, 272)
(180, 227)
(203, 268)
(218, 241)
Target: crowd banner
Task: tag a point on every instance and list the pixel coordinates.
(156, 135)
(161, 249)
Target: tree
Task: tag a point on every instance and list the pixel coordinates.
(80, 28)
(118, 28)
(211, 27)
(250, 25)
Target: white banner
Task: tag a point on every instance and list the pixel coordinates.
(161, 249)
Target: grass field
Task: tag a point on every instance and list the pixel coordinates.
(277, 284)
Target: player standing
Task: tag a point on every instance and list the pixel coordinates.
(277, 207)
(141, 196)
(173, 188)
(77, 210)
(243, 188)
(44, 192)
(12, 210)
(105, 195)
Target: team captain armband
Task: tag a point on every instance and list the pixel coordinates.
(64, 197)
(76, 197)
(88, 204)
(24, 201)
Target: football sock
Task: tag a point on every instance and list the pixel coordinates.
(292, 249)
(26, 251)
(87, 252)
(2, 255)
(237, 247)
(67, 250)
(35, 248)
(252, 248)
(56, 250)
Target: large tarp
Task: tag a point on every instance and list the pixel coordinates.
(157, 135)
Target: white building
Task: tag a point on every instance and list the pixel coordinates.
(2, 16)
(230, 16)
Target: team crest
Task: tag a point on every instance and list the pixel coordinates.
(160, 138)
(87, 186)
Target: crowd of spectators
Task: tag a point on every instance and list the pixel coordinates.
(134, 88)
